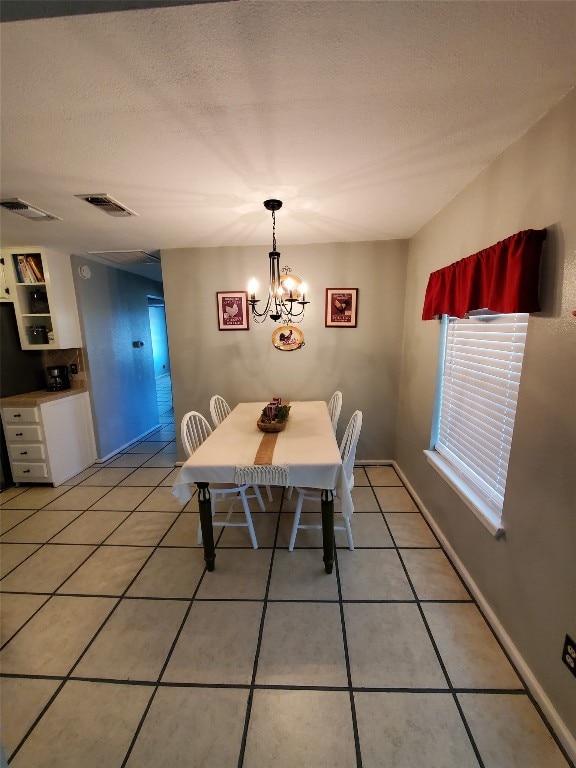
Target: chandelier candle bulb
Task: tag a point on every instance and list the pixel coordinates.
(290, 285)
(252, 288)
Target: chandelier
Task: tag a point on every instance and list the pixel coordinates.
(286, 292)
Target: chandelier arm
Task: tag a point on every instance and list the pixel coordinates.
(291, 312)
(274, 272)
(255, 312)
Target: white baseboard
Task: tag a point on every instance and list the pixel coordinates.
(559, 727)
(127, 445)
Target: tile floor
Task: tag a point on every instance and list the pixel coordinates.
(118, 649)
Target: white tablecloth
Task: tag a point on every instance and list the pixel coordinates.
(306, 453)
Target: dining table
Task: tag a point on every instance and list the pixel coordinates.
(304, 454)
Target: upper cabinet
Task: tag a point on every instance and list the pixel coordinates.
(42, 289)
(5, 294)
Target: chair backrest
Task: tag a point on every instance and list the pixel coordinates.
(194, 430)
(219, 409)
(348, 446)
(334, 408)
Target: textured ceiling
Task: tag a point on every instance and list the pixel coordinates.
(365, 118)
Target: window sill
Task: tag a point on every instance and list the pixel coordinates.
(469, 496)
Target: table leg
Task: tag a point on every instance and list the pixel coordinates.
(205, 509)
(327, 506)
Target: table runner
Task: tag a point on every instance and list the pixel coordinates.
(261, 474)
(265, 450)
(262, 471)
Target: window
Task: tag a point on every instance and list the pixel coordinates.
(478, 379)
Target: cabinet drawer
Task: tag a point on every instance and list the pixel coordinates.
(24, 452)
(22, 434)
(22, 471)
(20, 415)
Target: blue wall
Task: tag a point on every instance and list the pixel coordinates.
(113, 307)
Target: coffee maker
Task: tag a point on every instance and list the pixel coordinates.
(58, 378)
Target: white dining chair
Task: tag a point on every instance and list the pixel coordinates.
(334, 408)
(219, 409)
(348, 455)
(194, 431)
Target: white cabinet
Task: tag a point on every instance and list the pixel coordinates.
(5, 293)
(50, 439)
(40, 282)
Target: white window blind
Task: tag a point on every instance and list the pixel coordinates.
(479, 391)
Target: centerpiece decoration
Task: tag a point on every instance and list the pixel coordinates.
(274, 416)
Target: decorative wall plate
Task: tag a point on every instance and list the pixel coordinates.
(288, 338)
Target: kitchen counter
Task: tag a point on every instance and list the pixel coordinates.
(49, 435)
(30, 399)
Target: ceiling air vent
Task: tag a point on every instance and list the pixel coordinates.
(126, 257)
(27, 211)
(107, 204)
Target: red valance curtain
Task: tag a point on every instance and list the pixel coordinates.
(503, 278)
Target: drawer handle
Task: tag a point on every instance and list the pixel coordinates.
(19, 434)
(25, 471)
(23, 453)
(17, 415)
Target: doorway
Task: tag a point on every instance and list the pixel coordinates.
(161, 355)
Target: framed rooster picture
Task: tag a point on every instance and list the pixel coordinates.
(233, 311)
(341, 307)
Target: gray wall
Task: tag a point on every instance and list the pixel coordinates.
(113, 308)
(363, 363)
(529, 577)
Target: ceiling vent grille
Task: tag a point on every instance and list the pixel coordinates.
(107, 204)
(27, 211)
(126, 257)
